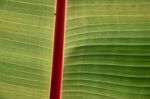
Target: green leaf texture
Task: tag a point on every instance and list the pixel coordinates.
(26, 32)
(107, 50)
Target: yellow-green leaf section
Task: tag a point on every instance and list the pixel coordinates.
(26, 32)
(107, 50)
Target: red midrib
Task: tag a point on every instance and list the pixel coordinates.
(57, 62)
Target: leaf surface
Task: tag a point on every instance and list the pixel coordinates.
(26, 34)
(107, 50)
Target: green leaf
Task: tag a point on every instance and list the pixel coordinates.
(107, 50)
(26, 32)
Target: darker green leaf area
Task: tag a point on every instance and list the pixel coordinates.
(2, 4)
(107, 50)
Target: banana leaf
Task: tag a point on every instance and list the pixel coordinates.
(26, 37)
(107, 50)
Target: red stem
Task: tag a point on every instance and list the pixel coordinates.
(57, 63)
